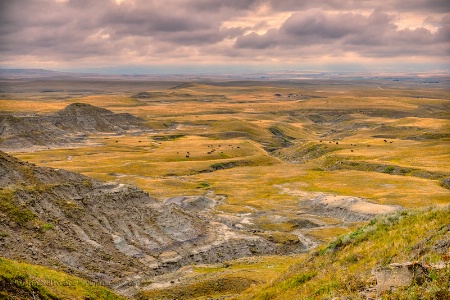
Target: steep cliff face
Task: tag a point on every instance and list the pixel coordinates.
(114, 233)
(100, 229)
(70, 125)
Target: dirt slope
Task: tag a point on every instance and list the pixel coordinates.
(113, 233)
(70, 125)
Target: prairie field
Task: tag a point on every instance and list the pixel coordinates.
(246, 139)
(264, 146)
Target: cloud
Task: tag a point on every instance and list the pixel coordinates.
(372, 35)
(423, 6)
(35, 26)
(102, 32)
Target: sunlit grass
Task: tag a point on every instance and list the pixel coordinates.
(225, 279)
(29, 106)
(343, 267)
(235, 122)
(43, 283)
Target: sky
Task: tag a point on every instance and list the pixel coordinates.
(229, 36)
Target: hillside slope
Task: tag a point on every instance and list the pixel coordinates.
(112, 233)
(70, 125)
(24, 281)
(366, 262)
(101, 230)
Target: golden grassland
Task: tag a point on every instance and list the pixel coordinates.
(155, 166)
(212, 137)
(389, 146)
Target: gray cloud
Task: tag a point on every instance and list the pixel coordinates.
(33, 25)
(436, 6)
(373, 35)
(85, 31)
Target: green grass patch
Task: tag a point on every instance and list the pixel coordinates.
(389, 169)
(16, 212)
(298, 280)
(169, 137)
(25, 281)
(47, 226)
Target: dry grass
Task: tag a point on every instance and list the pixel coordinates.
(162, 168)
(239, 119)
(349, 260)
(29, 106)
(230, 278)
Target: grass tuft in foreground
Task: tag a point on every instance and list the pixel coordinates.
(25, 281)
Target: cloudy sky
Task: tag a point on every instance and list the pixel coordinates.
(176, 36)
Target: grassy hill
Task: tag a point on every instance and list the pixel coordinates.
(344, 268)
(25, 281)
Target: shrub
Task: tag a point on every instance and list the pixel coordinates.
(389, 169)
(47, 226)
(16, 213)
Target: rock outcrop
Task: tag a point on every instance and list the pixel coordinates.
(347, 208)
(113, 233)
(68, 126)
(392, 277)
(399, 275)
(80, 117)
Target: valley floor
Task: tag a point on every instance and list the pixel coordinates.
(294, 164)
